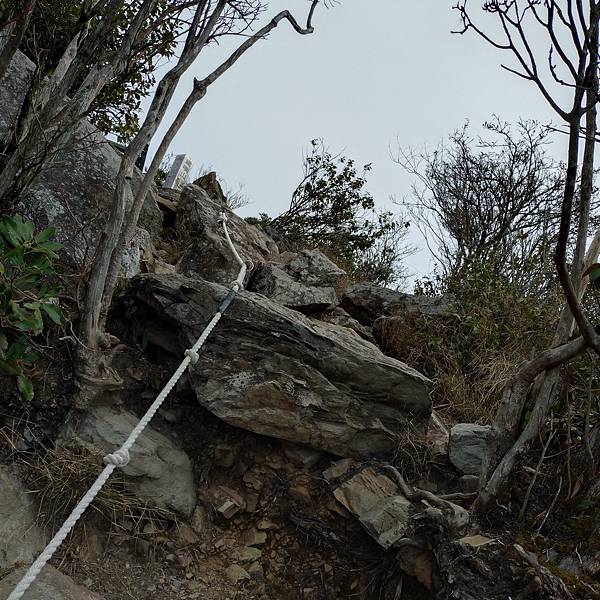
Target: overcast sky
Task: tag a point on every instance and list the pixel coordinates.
(372, 73)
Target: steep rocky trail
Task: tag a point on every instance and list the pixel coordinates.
(295, 460)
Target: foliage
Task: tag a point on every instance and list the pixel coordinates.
(330, 209)
(116, 110)
(27, 301)
(491, 201)
(470, 355)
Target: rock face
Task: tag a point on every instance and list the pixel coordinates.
(366, 302)
(21, 540)
(338, 316)
(13, 88)
(75, 191)
(159, 472)
(306, 281)
(273, 371)
(50, 584)
(207, 254)
(467, 445)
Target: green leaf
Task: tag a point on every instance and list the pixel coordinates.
(45, 235)
(51, 246)
(25, 387)
(9, 367)
(53, 312)
(9, 233)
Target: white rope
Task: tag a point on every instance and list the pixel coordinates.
(121, 457)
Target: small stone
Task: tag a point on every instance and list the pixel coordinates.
(476, 541)
(256, 571)
(253, 482)
(266, 525)
(467, 447)
(88, 583)
(186, 535)
(235, 574)
(253, 537)
(228, 509)
(252, 502)
(248, 554)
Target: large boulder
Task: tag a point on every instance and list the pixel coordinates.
(75, 194)
(207, 254)
(367, 301)
(21, 539)
(50, 584)
(159, 472)
(273, 371)
(13, 89)
(75, 191)
(307, 281)
(467, 446)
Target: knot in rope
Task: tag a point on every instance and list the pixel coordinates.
(120, 458)
(192, 355)
(222, 218)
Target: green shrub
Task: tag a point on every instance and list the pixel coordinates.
(28, 296)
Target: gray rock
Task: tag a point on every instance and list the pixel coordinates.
(74, 193)
(50, 584)
(273, 371)
(338, 316)
(207, 254)
(306, 281)
(13, 88)
(388, 516)
(159, 472)
(366, 302)
(467, 446)
(21, 540)
(375, 501)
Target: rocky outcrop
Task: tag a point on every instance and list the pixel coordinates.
(13, 89)
(367, 301)
(159, 472)
(206, 253)
(307, 281)
(50, 584)
(338, 316)
(75, 191)
(21, 539)
(273, 371)
(467, 446)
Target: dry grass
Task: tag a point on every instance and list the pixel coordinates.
(468, 376)
(60, 476)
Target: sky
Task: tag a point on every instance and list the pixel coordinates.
(367, 80)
